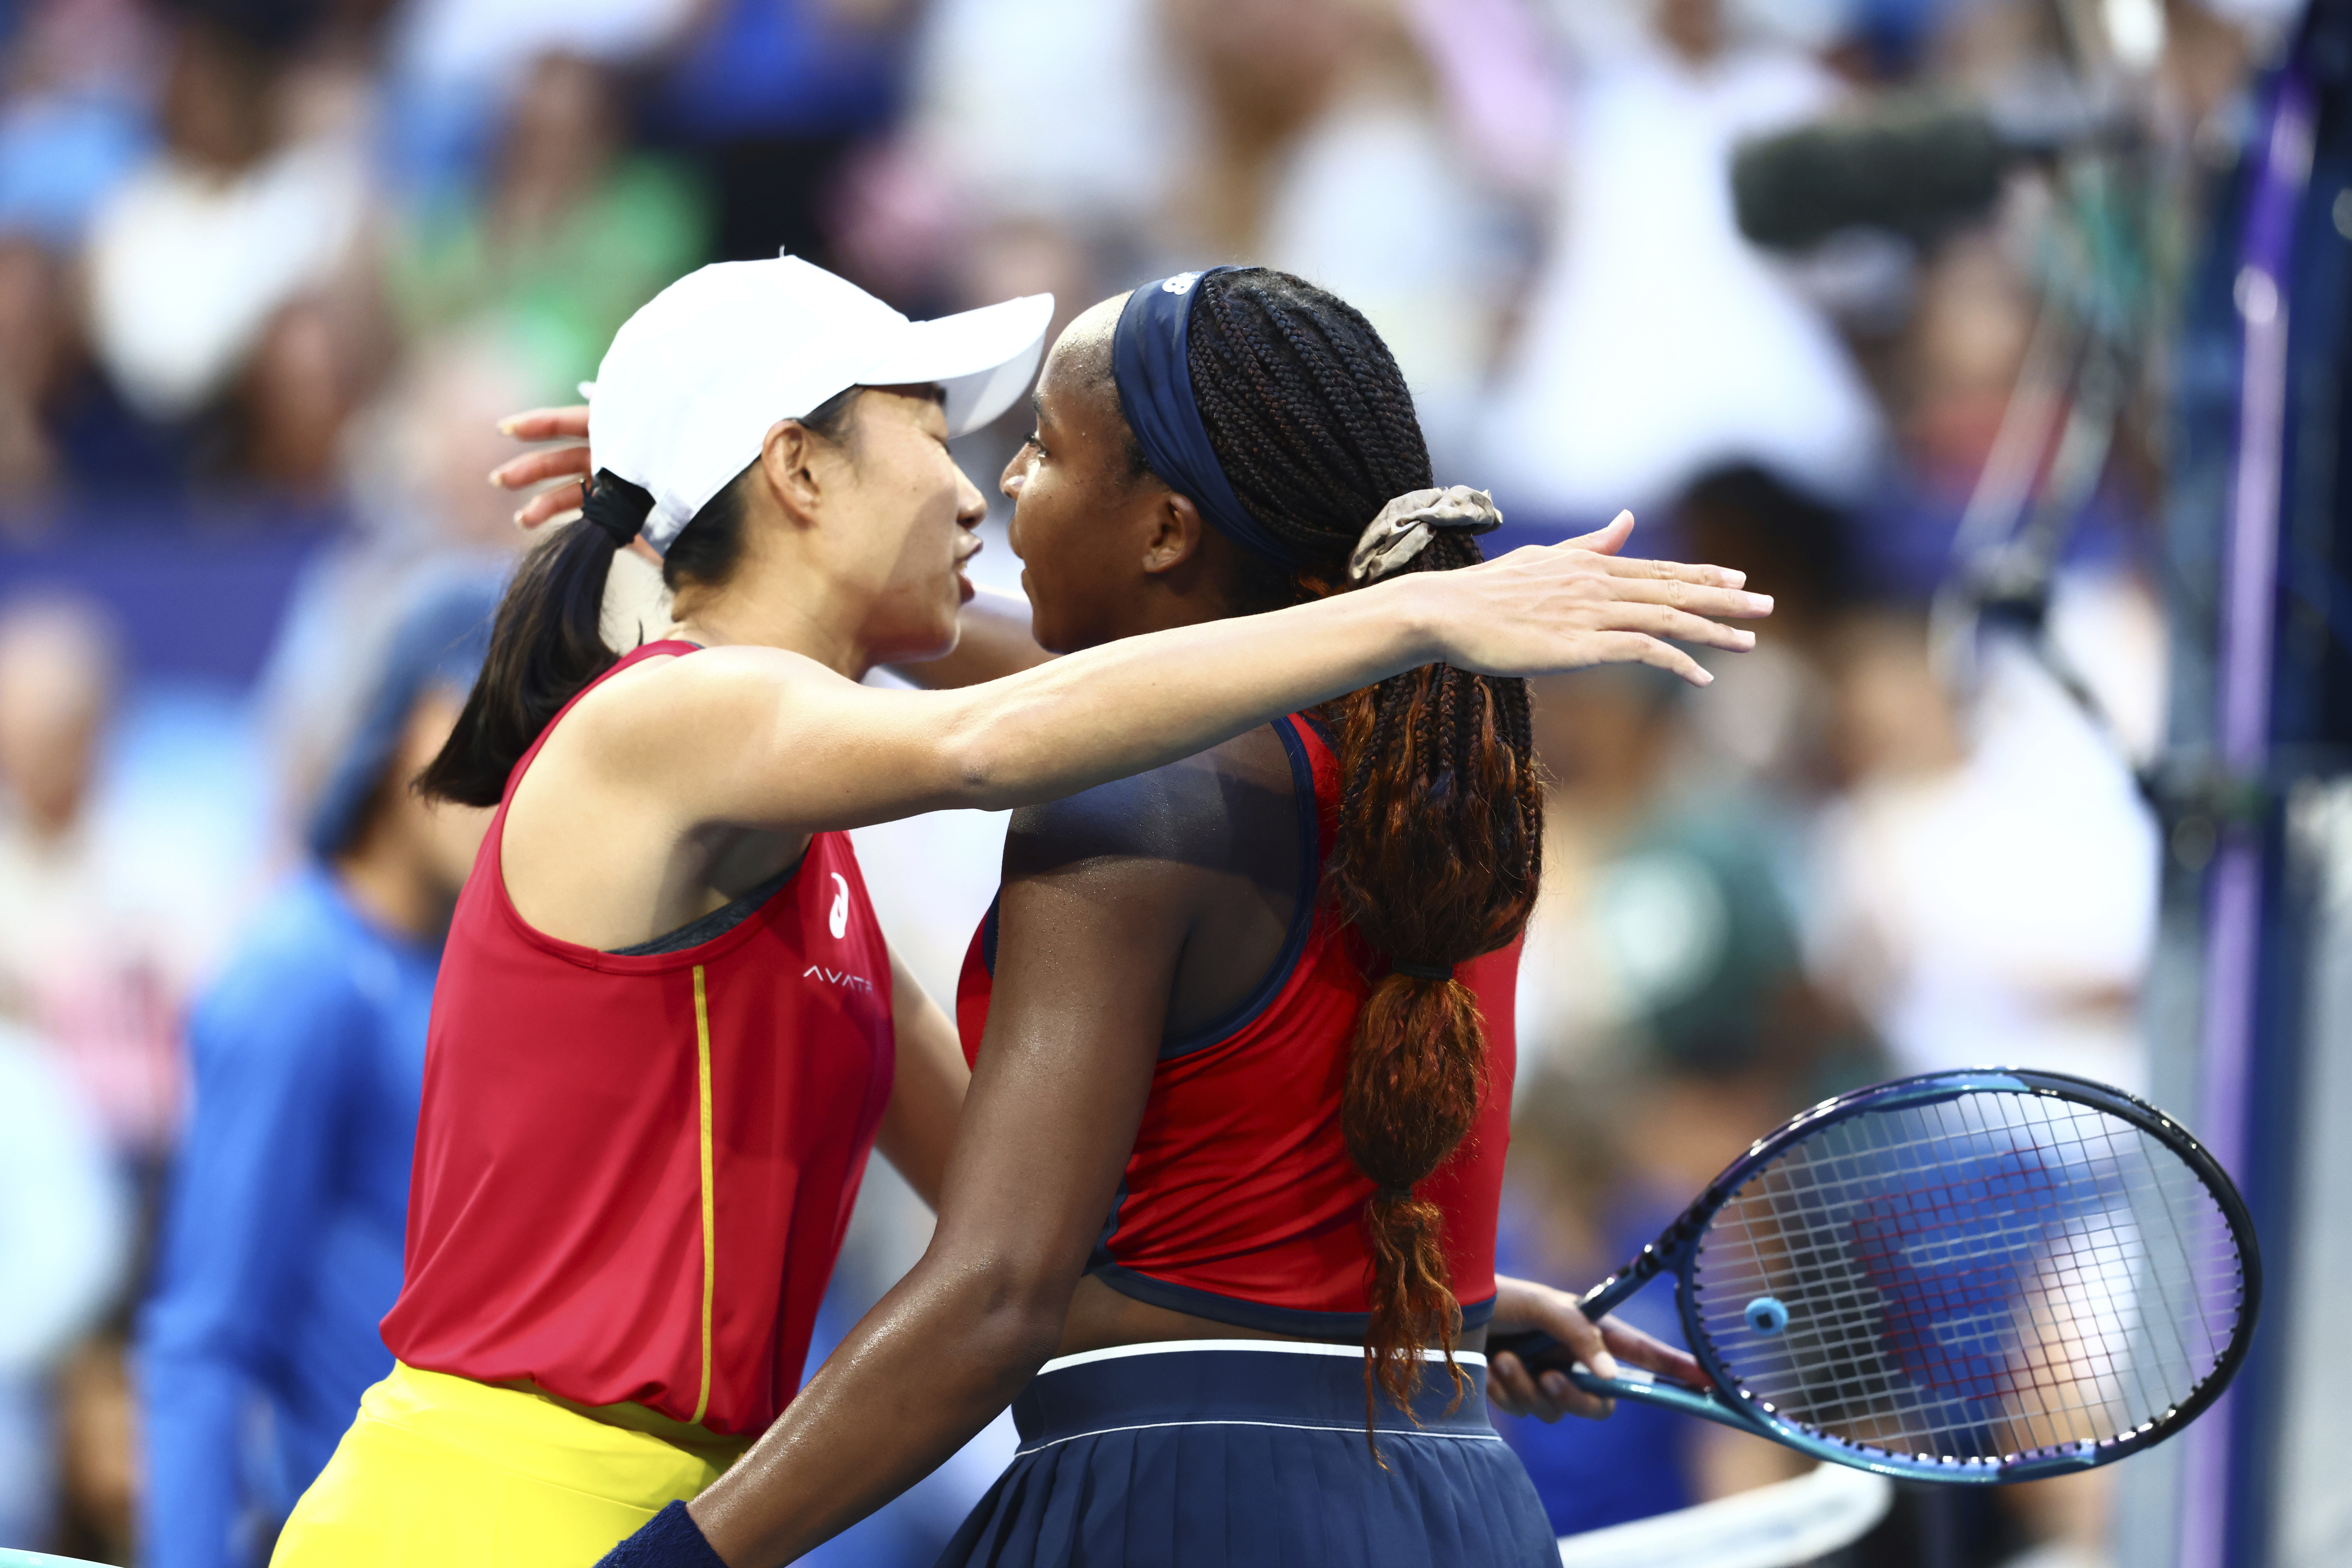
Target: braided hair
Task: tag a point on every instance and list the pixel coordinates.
(1439, 831)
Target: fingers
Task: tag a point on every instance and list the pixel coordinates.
(1564, 1398)
(1607, 541)
(549, 463)
(1637, 648)
(1509, 1388)
(567, 465)
(1547, 1395)
(1565, 1323)
(555, 501)
(1638, 568)
(1652, 1354)
(548, 423)
(1682, 594)
(1681, 625)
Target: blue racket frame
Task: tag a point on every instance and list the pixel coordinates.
(1729, 1405)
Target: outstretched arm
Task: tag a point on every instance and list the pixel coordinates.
(759, 737)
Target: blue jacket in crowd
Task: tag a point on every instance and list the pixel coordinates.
(281, 1248)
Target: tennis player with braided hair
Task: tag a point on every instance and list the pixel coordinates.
(667, 1032)
(1242, 1029)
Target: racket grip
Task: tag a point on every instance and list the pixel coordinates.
(1531, 1347)
(1541, 1353)
(1544, 1353)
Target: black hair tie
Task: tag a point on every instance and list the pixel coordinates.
(616, 506)
(1423, 971)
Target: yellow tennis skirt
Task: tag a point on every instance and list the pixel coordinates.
(445, 1470)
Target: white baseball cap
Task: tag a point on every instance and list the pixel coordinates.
(694, 379)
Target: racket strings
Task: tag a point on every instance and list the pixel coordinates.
(1974, 1279)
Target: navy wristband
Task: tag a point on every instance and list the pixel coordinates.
(668, 1540)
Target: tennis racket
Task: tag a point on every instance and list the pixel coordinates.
(1969, 1277)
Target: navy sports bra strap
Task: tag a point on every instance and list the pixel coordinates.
(1297, 740)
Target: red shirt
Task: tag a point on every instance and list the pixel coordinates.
(633, 1174)
(1240, 1203)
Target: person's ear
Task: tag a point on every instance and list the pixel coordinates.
(1174, 534)
(790, 460)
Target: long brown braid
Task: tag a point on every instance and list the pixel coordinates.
(1441, 822)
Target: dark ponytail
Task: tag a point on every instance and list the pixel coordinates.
(1441, 817)
(547, 644)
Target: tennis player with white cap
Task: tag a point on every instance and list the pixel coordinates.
(668, 1031)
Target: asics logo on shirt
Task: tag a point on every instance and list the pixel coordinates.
(839, 919)
(840, 977)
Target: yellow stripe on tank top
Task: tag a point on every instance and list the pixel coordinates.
(710, 1193)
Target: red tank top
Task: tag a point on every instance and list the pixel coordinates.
(633, 1174)
(1240, 1203)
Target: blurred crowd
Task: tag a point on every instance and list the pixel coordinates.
(271, 270)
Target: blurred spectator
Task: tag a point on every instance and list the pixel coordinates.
(1664, 1020)
(572, 234)
(1010, 156)
(1291, 135)
(416, 457)
(451, 67)
(1666, 933)
(33, 350)
(774, 98)
(62, 1230)
(215, 271)
(1261, 76)
(1988, 883)
(290, 1200)
(1767, 718)
(78, 961)
(73, 124)
(96, 1450)
(1371, 139)
(1954, 364)
(1656, 339)
(987, 193)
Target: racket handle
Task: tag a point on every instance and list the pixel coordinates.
(1541, 1353)
(1530, 1347)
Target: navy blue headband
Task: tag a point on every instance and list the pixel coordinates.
(1155, 392)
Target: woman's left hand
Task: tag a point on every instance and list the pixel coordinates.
(1521, 1305)
(567, 465)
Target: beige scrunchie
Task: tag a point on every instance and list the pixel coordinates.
(1406, 525)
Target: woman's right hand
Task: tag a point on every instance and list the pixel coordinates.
(1547, 608)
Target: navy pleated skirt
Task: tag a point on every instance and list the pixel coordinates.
(1235, 1453)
